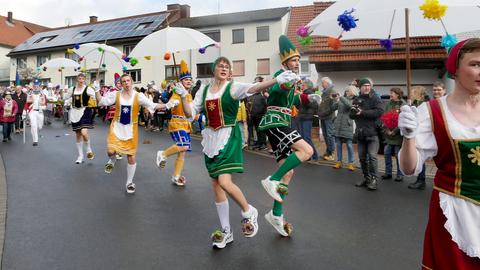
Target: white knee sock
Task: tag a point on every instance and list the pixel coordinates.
(80, 148)
(130, 172)
(89, 149)
(249, 212)
(224, 214)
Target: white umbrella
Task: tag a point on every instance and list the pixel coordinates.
(60, 63)
(399, 19)
(100, 53)
(170, 40)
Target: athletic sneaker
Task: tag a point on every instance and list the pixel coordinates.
(250, 225)
(109, 167)
(179, 181)
(277, 223)
(220, 239)
(271, 187)
(79, 160)
(118, 156)
(130, 188)
(161, 160)
(90, 154)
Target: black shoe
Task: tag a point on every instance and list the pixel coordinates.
(372, 185)
(363, 182)
(419, 184)
(4, 140)
(35, 144)
(399, 179)
(386, 177)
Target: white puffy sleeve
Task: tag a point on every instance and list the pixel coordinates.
(108, 99)
(239, 90)
(145, 102)
(90, 92)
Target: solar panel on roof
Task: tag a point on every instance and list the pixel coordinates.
(99, 32)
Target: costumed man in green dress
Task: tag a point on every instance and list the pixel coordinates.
(222, 142)
(287, 144)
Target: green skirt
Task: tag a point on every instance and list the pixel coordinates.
(230, 158)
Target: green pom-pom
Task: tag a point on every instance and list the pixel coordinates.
(133, 61)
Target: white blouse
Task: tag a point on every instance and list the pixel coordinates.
(125, 132)
(463, 217)
(214, 140)
(77, 113)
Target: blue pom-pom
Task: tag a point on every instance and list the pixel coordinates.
(76, 46)
(449, 41)
(126, 59)
(202, 50)
(124, 68)
(347, 21)
(387, 44)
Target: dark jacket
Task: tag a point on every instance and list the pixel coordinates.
(307, 112)
(343, 125)
(20, 100)
(326, 108)
(369, 119)
(395, 138)
(259, 105)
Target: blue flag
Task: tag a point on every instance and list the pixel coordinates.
(17, 78)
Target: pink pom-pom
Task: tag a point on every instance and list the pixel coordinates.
(217, 44)
(303, 31)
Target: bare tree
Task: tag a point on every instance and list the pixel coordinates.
(28, 74)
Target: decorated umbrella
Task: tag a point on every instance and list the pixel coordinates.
(387, 20)
(61, 64)
(101, 53)
(165, 42)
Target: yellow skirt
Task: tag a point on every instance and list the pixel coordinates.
(127, 147)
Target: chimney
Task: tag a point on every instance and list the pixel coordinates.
(10, 17)
(171, 7)
(93, 19)
(184, 11)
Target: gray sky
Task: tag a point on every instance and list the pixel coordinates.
(54, 13)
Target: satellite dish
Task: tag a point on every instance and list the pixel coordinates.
(68, 21)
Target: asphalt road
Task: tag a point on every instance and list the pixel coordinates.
(66, 216)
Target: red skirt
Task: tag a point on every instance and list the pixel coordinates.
(439, 250)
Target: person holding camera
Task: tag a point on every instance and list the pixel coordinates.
(366, 111)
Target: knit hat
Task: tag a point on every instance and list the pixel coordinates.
(363, 81)
(116, 77)
(184, 72)
(287, 49)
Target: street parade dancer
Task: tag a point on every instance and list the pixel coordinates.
(81, 115)
(179, 127)
(36, 103)
(448, 130)
(222, 142)
(123, 133)
(111, 110)
(287, 144)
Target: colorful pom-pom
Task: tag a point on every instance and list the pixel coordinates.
(202, 50)
(387, 44)
(104, 66)
(81, 59)
(59, 70)
(76, 46)
(147, 57)
(433, 10)
(448, 41)
(217, 45)
(305, 41)
(38, 69)
(124, 68)
(100, 49)
(167, 56)
(390, 119)
(334, 43)
(83, 70)
(303, 31)
(133, 61)
(347, 21)
(69, 51)
(126, 59)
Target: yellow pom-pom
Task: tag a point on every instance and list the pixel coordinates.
(148, 57)
(433, 10)
(69, 51)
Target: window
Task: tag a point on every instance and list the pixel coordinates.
(41, 59)
(82, 34)
(22, 62)
(136, 75)
(263, 66)
(263, 33)
(44, 39)
(304, 67)
(127, 49)
(215, 35)
(170, 72)
(144, 25)
(204, 70)
(72, 56)
(238, 68)
(70, 80)
(238, 36)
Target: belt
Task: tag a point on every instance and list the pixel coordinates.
(179, 117)
(280, 110)
(36, 110)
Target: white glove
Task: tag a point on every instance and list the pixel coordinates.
(286, 77)
(172, 104)
(315, 98)
(180, 90)
(407, 121)
(96, 86)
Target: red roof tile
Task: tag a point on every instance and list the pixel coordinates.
(16, 33)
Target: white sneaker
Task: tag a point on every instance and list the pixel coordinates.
(271, 188)
(161, 160)
(118, 156)
(220, 239)
(277, 223)
(79, 160)
(250, 225)
(130, 188)
(109, 167)
(179, 181)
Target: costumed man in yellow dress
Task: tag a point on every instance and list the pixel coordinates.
(179, 127)
(123, 133)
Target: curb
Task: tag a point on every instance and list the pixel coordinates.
(3, 208)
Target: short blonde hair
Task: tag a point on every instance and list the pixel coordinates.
(418, 92)
(352, 88)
